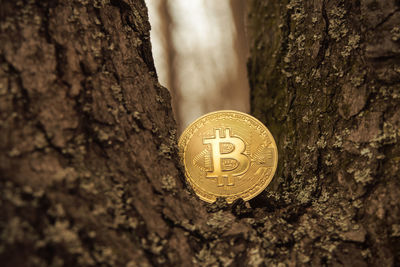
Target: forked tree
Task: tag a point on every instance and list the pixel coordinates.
(89, 174)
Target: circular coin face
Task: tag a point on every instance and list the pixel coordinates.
(228, 154)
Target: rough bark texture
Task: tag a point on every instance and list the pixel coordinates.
(89, 172)
(88, 166)
(325, 78)
(87, 152)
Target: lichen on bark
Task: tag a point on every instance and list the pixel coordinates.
(87, 135)
(324, 77)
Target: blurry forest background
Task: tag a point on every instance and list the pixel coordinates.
(200, 53)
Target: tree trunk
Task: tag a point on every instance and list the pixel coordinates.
(325, 77)
(166, 35)
(89, 174)
(88, 165)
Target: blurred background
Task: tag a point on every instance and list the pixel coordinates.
(200, 52)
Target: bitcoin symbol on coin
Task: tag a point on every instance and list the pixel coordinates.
(228, 154)
(222, 167)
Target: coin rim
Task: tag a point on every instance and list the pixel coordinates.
(194, 186)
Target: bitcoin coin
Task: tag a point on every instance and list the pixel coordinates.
(228, 154)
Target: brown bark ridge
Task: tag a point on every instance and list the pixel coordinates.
(88, 171)
(89, 174)
(166, 33)
(325, 78)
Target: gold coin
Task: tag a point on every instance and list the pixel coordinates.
(228, 154)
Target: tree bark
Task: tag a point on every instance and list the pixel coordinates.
(88, 165)
(166, 33)
(89, 174)
(325, 78)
